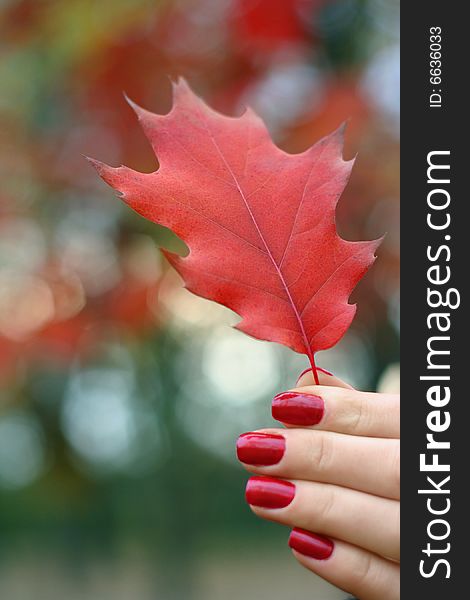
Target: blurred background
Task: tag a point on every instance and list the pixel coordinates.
(121, 394)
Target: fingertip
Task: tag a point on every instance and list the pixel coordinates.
(325, 377)
(307, 374)
(305, 378)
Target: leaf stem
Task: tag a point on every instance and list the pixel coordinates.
(311, 357)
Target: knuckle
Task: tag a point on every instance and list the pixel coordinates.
(353, 410)
(362, 574)
(326, 505)
(321, 450)
(371, 578)
(359, 414)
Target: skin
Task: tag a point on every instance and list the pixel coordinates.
(347, 476)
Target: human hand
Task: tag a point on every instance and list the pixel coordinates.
(333, 475)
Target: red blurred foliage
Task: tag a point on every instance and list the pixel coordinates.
(268, 25)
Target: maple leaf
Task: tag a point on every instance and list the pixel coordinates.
(259, 223)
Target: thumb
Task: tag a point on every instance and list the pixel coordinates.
(325, 377)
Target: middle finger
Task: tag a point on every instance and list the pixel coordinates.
(367, 464)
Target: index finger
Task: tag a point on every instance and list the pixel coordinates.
(339, 409)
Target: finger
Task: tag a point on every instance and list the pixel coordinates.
(348, 567)
(361, 519)
(339, 409)
(363, 463)
(324, 376)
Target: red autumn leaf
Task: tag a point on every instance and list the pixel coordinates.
(259, 223)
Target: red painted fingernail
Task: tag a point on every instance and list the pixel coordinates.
(308, 371)
(298, 409)
(267, 492)
(310, 544)
(261, 449)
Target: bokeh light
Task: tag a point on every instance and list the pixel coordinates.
(238, 369)
(97, 417)
(22, 450)
(26, 304)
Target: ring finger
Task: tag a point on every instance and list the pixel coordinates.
(327, 509)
